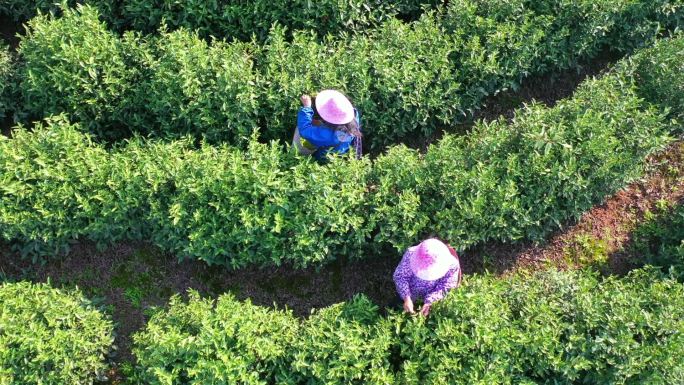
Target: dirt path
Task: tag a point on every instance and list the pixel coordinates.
(545, 89)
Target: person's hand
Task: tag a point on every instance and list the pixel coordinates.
(425, 310)
(306, 100)
(408, 305)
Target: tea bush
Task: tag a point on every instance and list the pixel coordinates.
(57, 186)
(659, 70)
(660, 240)
(347, 343)
(265, 206)
(50, 336)
(400, 78)
(546, 328)
(7, 80)
(416, 88)
(224, 341)
(234, 20)
(74, 65)
(242, 20)
(500, 42)
(199, 89)
(211, 203)
(304, 64)
(408, 79)
(514, 181)
(550, 328)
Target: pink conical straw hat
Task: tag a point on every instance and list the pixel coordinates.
(334, 107)
(431, 260)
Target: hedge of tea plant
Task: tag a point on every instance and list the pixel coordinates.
(74, 64)
(233, 20)
(400, 78)
(550, 328)
(583, 28)
(168, 85)
(660, 240)
(262, 205)
(519, 180)
(660, 70)
(50, 336)
(202, 341)
(547, 328)
(346, 343)
(196, 88)
(407, 79)
(58, 186)
(245, 19)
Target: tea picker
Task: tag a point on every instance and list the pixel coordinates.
(427, 271)
(330, 125)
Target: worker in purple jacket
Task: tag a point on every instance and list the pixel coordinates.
(427, 271)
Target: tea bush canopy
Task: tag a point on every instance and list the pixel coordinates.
(51, 336)
(504, 181)
(547, 328)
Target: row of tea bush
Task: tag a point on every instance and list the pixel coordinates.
(545, 328)
(234, 20)
(409, 80)
(266, 206)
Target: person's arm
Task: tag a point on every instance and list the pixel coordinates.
(402, 276)
(319, 136)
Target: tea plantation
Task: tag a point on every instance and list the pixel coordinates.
(168, 122)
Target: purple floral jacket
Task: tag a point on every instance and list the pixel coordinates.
(408, 285)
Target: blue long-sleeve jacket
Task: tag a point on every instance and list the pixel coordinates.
(323, 137)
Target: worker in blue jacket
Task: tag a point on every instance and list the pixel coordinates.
(333, 127)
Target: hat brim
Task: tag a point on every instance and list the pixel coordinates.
(433, 273)
(346, 110)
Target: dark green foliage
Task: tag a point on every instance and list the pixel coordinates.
(582, 28)
(50, 336)
(660, 240)
(241, 20)
(199, 89)
(234, 20)
(73, 64)
(660, 71)
(7, 81)
(22, 10)
(547, 328)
